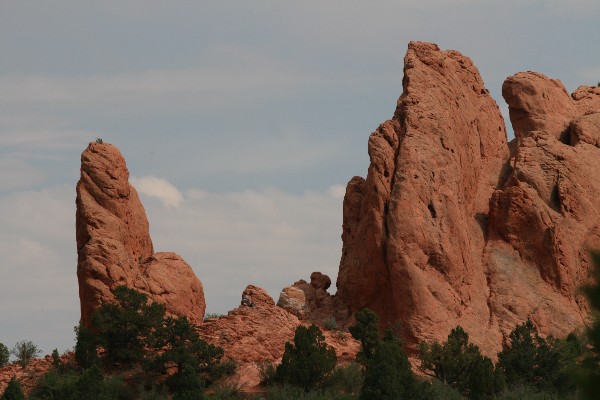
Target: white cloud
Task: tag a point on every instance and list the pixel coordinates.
(266, 237)
(38, 280)
(159, 188)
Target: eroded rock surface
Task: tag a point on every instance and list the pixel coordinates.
(114, 245)
(455, 226)
(251, 335)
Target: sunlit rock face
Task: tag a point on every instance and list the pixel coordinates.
(455, 226)
(114, 245)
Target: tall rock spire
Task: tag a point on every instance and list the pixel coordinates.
(114, 245)
(444, 230)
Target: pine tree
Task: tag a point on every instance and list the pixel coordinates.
(386, 374)
(189, 385)
(182, 347)
(367, 331)
(308, 361)
(459, 364)
(13, 391)
(85, 349)
(124, 326)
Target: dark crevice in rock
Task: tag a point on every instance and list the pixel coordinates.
(555, 202)
(566, 137)
(432, 211)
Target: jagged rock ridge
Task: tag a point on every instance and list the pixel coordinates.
(114, 245)
(455, 226)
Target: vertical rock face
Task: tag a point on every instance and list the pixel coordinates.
(114, 246)
(451, 229)
(547, 212)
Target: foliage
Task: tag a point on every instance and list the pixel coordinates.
(547, 363)
(153, 393)
(345, 379)
(329, 323)
(308, 361)
(55, 385)
(531, 392)
(367, 331)
(189, 385)
(124, 326)
(13, 391)
(459, 364)
(295, 393)
(388, 375)
(266, 372)
(55, 358)
(182, 347)
(212, 316)
(85, 349)
(589, 381)
(25, 351)
(4, 355)
(74, 385)
(442, 391)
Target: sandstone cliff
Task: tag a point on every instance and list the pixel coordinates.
(114, 246)
(455, 226)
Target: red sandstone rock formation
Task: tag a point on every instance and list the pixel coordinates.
(250, 335)
(114, 246)
(29, 375)
(547, 212)
(450, 228)
(311, 301)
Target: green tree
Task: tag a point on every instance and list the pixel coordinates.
(459, 364)
(189, 385)
(85, 348)
(388, 374)
(589, 381)
(4, 355)
(308, 361)
(124, 326)
(13, 391)
(56, 362)
(366, 330)
(55, 385)
(90, 384)
(25, 351)
(547, 363)
(182, 347)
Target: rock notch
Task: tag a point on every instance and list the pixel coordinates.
(455, 226)
(114, 246)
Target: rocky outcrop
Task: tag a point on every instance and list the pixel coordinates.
(114, 246)
(311, 301)
(29, 375)
(451, 227)
(251, 335)
(546, 214)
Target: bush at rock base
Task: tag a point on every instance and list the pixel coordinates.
(13, 391)
(308, 361)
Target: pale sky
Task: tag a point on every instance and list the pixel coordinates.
(241, 123)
